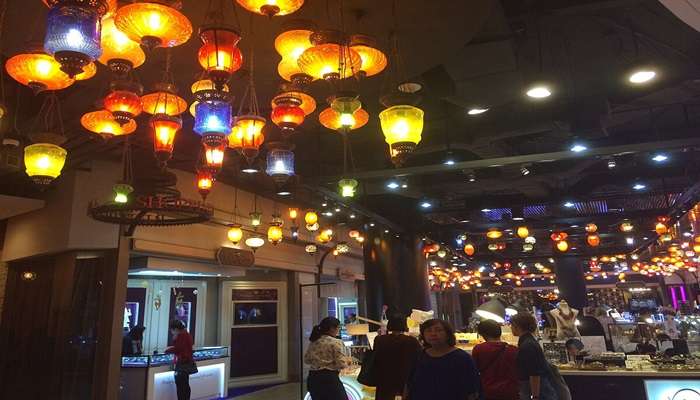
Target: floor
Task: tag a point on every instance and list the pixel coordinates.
(289, 391)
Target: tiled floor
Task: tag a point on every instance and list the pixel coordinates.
(289, 391)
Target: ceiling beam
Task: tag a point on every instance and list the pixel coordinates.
(522, 159)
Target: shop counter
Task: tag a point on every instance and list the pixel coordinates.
(637, 385)
(151, 377)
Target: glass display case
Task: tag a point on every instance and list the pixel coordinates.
(205, 353)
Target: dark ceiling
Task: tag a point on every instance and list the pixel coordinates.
(467, 54)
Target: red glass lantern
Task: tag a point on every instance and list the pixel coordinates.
(214, 156)
(558, 236)
(124, 102)
(164, 130)
(287, 113)
(219, 55)
(593, 240)
(205, 181)
(246, 136)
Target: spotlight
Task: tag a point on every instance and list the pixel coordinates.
(569, 204)
(578, 148)
(485, 210)
(392, 185)
(539, 91)
(639, 186)
(426, 204)
(328, 213)
(449, 161)
(284, 193)
(524, 170)
(630, 241)
(353, 216)
(659, 158)
(640, 76)
(404, 185)
(477, 111)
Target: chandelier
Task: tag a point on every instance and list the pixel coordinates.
(153, 24)
(102, 122)
(119, 53)
(38, 70)
(271, 8)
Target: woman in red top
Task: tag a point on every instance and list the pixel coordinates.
(184, 364)
(496, 362)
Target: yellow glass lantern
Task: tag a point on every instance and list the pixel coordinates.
(322, 61)
(334, 121)
(271, 8)
(119, 53)
(626, 226)
(274, 234)
(246, 135)
(39, 71)
(402, 126)
(347, 187)
(44, 162)
(523, 232)
(89, 71)
(494, 233)
(373, 60)
(562, 246)
(325, 235)
(102, 122)
(163, 100)
(311, 218)
(291, 45)
(235, 234)
(153, 24)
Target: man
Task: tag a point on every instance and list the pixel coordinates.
(496, 362)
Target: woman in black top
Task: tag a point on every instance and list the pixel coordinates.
(534, 374)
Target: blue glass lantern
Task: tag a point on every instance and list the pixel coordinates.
(212, 121)
(73, 37)
(280, 164)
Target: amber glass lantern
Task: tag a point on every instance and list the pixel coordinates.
(164, 100)
(89, 71)
(246, 136)
(593, 239)
(291, 45)
(311, 218)
(235, 234)
(323, 61)
(205, 181)
(308, 104)
(219, 55)
(402, 126)
(373, 60)
(119, 53)
(44, 162)
(164, 131)
(214, 156)
(153, 24)
(335, 121)
(39, 71)
(275, 234)
(287, 113)
(102, 122)
(124, 102)
(271, 8)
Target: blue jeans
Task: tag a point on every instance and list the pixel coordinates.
(547, 391)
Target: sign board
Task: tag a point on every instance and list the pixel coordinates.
(229, 256)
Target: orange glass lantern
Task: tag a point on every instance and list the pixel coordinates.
(626, 226)
(373, 60)
(37, 70)
(469, 249)
(293, 213)
(214, 156)
(287, 113)
(593, 240)
(308, 104)
(291, 45)
(89, 71)
(661, 228)
(274, 234)
(219, 55)
(124, 102)
(323, 62)
(562, 246)
(205, 181)
(558, 236)
(164, 130)
(163, 100)
(246, 136)
(119, 53)
(523, 232)
(591, 228)
(271, 8)
(334, 121)
(102, 122)
(153, 24)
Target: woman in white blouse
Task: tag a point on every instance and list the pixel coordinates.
(326, 358)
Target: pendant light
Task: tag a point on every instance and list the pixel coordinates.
(38, 71)
(205, 182)
(280, 162)
(89, 71)
(235, 232)
(119, 53)
(44, 160)
(287, 113)
(164, 100)
(203, 85)
(154, 23)
(219, 55)
(291, 44)
(255, 216)
(124, 101)
(373, 60)
(275, 235)
(332, 120)
(102, 123)
(214, 156)
(328, 55)
(165, 129)
(308, 103)
(255, 242)
(247, 135)
(271, 8)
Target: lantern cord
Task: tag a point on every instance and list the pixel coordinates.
(235, 205)
(127, 173)
(3, 10)
(50, 113)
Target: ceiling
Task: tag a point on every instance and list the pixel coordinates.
(466, 54)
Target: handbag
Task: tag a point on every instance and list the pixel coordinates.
(187, 367)
(560, 386)
(368, 375)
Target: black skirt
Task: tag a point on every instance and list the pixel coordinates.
(325, 385)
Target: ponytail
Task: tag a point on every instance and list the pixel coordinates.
(323, 328)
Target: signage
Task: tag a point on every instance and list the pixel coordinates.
(254, 294)
(672, 389)
(231, 257)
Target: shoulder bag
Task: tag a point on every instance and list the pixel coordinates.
(368, 375)
(187, 367)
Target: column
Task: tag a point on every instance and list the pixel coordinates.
(571, 281)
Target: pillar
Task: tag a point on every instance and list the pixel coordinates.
(571, 281)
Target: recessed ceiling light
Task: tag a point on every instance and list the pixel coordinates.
(371, 224)
(485, 210)
(426, 204)
(392, 185)
(386, 231)
(449, 161)
(477, 111)
(629, 240)
(642, 76)
(284, 193)
(352, 216)
(578, 147)
(639, 186)
(328, 213)
(324, 204)
(464, 221)
(337, 209)
(659, 158)
(539, 92)
(518, 218)
(569, 204)
(249, 170)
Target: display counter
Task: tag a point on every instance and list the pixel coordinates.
(151, 377)
(638, 385)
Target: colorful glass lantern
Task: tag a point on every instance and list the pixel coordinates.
(291, 45)
(347, 187)
(661, 227)
(214, 156)
(205, 181)
(591, 228)
(312, 227)
(153, 24)
(119, 53)
(311, 218)
(44, 162)
(469, 249)
(325, 236)
(280, 164)
(373, 60)
(626, 226)
(255, 242)
(562, 246)
(332, 120)
(219, 55)
(39, 71)
(235, 234)
(247, 136)
(293, 213)
(89, 71)
(287, 113)
(271, 8)
(164, 100)
(322, 61)
(593, 240)
(124, 102)
(205, 86)
(402, 126)
(274, 234)
(213, 120)
(73, 35)
(102, 122)
(494, 234)
(122, 192)
(523, 232)
(164, 130)
(308, 104)
(311, 249)
(255, 218)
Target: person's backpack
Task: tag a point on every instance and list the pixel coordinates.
(368, 375)
(559, 383)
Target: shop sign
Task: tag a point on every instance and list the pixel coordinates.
(235, 257)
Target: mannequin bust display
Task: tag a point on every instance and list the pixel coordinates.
(565, 318)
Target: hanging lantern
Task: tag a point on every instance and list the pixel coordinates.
(38, 71)
(354, 234)
(235, 234)
(527, 247)
(205, 87)
(124, 102)
(119, 53)
(323, 59)
(164, 130)
(311, 218)
(102, 122)
(219, 55)
(562, 246)
(591, 228)
(153, 24)
(626, 226)
(205, 181)
(73, 34)
(89, 71)
(247, 136)
(593, 240)
(325, 236)
(402, 126)
(271, 8)
(469, 249)
(122, 192)
(291, 44)
(214, 156)
(164, 100)
(287, 113)
(661, 228)
(312, 227)
(494, 233)
(213, 121)
(280, 164)
(333, 120)
(523, 232)
(255, 242)
(347, 187)
(530, 240)
(311, 249)
(373, 60)
(255, 218)
(274, 234)
(308, 104)
(558, 236)
(44, 162)
(493, 246)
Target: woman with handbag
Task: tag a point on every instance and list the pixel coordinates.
(184, 363)
(394, 356)
(326, 358)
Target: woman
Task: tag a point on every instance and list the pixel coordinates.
(326, 358)
(496, 362)
(132, 342)
(394, 356)
(442, 371)
(534, 375)
(184, 364)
